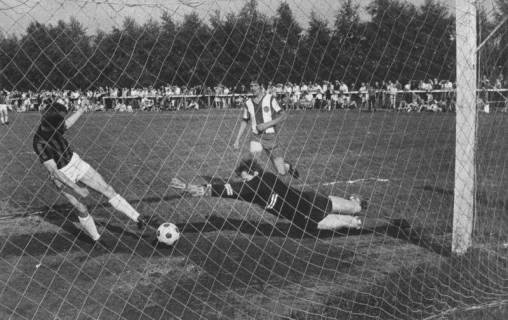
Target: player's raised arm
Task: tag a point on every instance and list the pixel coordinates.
(71, 120)
(233, 190)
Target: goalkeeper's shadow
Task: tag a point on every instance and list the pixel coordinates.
(126, 240)
(116, 233)
(215, 223)
(395, 228)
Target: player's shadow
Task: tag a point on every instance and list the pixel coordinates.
(396, 228)
(65, 217)
(216, 224)
(124, 240)
(403, 230)
(119, 237)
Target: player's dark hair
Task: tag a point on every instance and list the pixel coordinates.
(249, 166)
(56, 107)
(53, 117)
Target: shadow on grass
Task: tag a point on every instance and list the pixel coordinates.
(128, 239)
(395, 228)
(482, 197)
(459, 287)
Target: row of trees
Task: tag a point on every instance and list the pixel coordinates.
(398, 41)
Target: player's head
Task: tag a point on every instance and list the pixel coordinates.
(248, 166)
(255, 87)
(53, 117)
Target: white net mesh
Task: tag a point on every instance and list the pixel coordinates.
(368, 87)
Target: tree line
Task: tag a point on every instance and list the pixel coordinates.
(399, 41)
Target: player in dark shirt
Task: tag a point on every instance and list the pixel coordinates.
(308, 210)
(66, 168)
(51, 144)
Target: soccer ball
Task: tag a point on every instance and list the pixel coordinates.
(168, 233)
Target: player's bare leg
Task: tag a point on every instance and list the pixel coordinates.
(85, 219)
(337, 221)
(344, 206)
(94, 180)
(4, 115)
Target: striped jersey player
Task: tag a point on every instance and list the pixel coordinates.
(264, 114)
(307, 210)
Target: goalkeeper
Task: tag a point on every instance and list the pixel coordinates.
(66, 168)
(308, 210)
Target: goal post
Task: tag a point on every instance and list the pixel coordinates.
(466, 126)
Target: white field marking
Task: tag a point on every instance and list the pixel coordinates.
(344, 181)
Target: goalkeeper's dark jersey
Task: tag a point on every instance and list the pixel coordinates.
(303, 208)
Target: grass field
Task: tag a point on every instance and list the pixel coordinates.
(235, 261)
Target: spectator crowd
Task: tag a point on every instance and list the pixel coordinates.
(431, 95)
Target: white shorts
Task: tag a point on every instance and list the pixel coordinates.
(75, 169)
(3, 108)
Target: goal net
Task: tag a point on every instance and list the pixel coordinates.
(389, 105)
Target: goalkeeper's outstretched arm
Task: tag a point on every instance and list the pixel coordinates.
(220, 190)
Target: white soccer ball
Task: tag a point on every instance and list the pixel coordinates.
(168, 233)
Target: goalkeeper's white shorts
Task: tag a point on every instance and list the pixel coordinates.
(75, 169)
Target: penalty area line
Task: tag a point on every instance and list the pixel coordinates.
(331, 183)
(356, 181)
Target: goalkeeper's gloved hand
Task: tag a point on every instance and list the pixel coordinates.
(196, 191)
(177, 184)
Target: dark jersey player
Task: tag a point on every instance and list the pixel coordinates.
(309, 210)
(66, 168)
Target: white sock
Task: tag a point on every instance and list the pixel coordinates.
(89, 225)
(120, 204)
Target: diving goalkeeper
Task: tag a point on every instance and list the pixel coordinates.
(309, 210)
